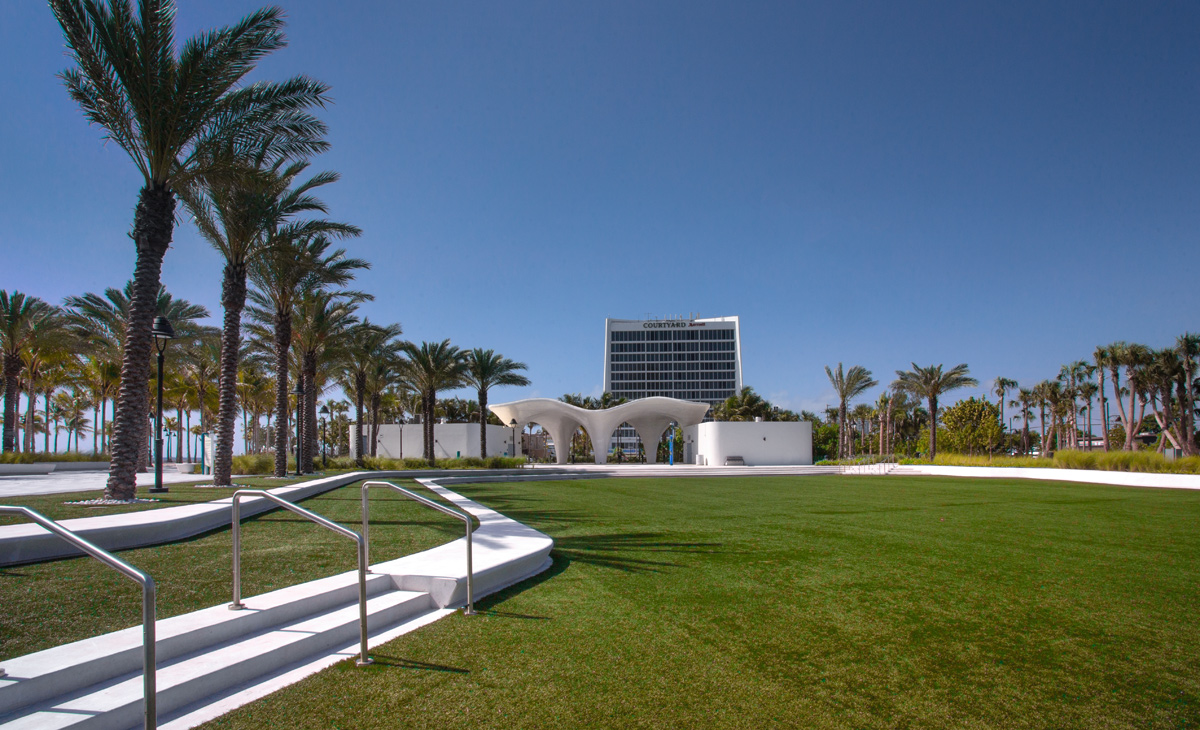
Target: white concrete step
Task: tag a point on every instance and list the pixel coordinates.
(116, 702)
(55, 672)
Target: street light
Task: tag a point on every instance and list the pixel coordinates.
(324, 438)
(513, 425)
(163, 332)
(299, 393)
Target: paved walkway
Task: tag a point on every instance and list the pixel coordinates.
(79, 481)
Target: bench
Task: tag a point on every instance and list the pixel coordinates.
(734, 461)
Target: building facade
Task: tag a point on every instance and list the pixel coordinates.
(686, 358)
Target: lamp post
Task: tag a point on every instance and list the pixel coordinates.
(299, 393)
(513, 425)
(163, 332)
(324, 438)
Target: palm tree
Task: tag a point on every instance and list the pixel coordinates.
(286, 267)
(1026, 398)
(745, 405)
(20, 316)
(1134, 358)
(179, 117)
(322, 318)
(486, 369)
(930, 383)
(848, 385)
(1087, 391)
(1102, 357)
(239, 215)
(1188, 346)
(1001, 386)
(1073, 373)
(433, 367)
(367, 345)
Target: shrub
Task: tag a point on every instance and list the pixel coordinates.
(257, 464)
(42, 457)
(1150, 462)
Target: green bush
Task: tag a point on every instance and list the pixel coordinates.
(1150, 462)
(257, 464)
(42, 457)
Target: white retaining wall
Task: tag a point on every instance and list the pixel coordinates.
(450, 440)
(771, 443)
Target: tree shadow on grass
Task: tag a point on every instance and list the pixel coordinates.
(613, 550)
(402, 663)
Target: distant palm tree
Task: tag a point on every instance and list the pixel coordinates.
(1102, 357)
(745, 405)
(1001, 386)
(1026, 398)
(848, 385)
(485, 370)
(433, 367)
(930, 383)
(1188, 346)
(367, 346)
(322, 318)
(287, 267)
(1087, 391)
(19, 318)
(240, 215)
(177, 112)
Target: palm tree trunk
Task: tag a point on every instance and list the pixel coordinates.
(283, 339)
(1103, 411)
(153, 224)
(932, 428)
(430, 407)
(483, 424)
(12, 369)
(29, 411)
(360, 384)
(233, 301)
(308, 364)
(375, 402)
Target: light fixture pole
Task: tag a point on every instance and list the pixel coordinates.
(513, 425)
(324, 438)
(299, 393)
(163, 332)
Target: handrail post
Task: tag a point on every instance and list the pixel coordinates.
(469, 609)
(237, 605)
(149, 592)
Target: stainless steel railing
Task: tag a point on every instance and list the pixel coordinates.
(470, 608)
(237, 605)
(149, 671)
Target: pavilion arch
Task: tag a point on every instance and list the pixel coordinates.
(648, 416)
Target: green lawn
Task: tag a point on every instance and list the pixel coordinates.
(857, 602)
(53, 603)
(868, 602)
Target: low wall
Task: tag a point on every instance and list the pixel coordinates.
(30, 543)
(13, 470)
(1087, 476)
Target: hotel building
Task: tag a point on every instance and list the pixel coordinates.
(690, 359)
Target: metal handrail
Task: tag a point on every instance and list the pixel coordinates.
(237, 605)
(149, 667)
(470, 608)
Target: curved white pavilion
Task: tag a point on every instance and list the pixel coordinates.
(648, 416)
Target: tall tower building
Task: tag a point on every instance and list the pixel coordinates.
(690, 359)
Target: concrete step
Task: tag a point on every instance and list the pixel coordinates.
(115, 703)
(55, 672)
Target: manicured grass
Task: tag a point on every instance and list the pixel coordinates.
(827, 602)
(48, 604)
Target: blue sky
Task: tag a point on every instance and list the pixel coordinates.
(872, 183)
